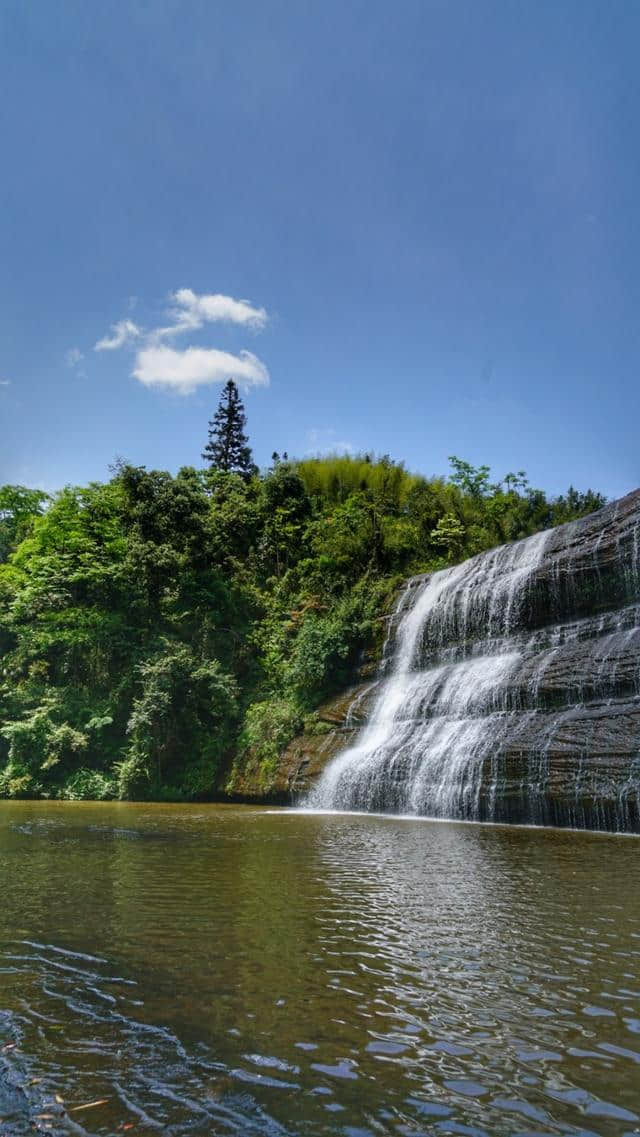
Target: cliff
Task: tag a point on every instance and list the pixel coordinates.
(521, 701)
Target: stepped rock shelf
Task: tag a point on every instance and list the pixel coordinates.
(509, 690)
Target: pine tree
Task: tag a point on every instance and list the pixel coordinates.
(228, 446)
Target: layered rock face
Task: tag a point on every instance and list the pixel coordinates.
(509, 691)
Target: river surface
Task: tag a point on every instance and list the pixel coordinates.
(224, 970)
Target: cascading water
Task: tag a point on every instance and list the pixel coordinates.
(514, 687)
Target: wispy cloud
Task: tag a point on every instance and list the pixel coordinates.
(73, 357)
(125, 331)
(325, 440)
(5, 382)
(184, 371)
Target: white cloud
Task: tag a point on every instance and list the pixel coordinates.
(5, 382)
(184, 371)
(191, 311)
(157, 365)
(73, 357)
(121, 333)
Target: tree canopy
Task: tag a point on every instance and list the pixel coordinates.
(157, 629)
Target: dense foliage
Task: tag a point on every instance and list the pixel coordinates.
(156, 632)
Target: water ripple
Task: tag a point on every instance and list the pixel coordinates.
(245, 972)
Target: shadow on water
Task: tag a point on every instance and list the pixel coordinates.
(204, 970)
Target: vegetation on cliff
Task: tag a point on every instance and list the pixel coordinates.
(158, 631)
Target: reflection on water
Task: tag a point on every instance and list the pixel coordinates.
(219, 970)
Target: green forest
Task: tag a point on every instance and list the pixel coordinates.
(157, 631)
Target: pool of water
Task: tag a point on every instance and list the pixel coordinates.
(228, 970)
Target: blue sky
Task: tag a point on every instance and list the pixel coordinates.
(430, 208)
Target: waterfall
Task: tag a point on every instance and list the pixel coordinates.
(513, 687)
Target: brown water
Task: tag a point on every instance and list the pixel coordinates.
(222, 970)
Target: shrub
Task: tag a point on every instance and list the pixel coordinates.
(268, 727)
(89, 785)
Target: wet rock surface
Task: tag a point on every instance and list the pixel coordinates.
(511, 687)
(304, 759)
(521, 701)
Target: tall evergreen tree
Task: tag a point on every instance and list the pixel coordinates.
(228, 446)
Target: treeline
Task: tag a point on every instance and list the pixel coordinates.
(157, 632)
